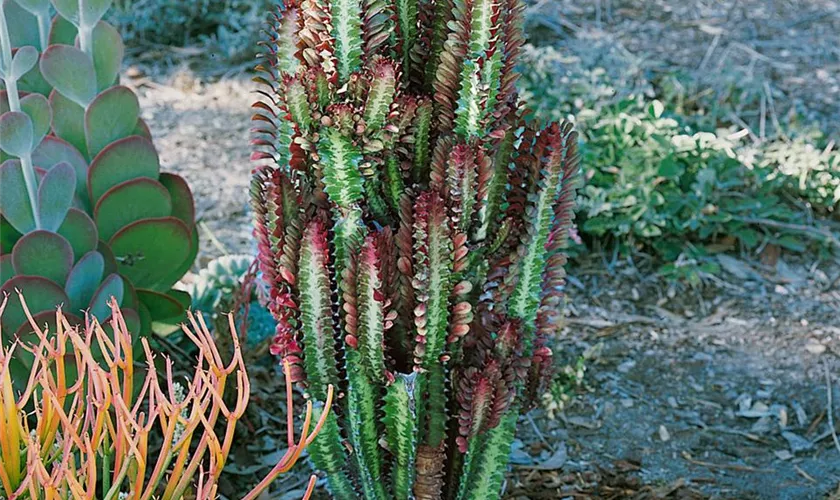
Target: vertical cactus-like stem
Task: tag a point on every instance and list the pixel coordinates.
(401, 433)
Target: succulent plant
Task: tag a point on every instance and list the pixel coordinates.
(81, 428)
(411, 225)
(86, 212)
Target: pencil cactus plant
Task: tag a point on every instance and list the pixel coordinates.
(86, 212)
(411, 226)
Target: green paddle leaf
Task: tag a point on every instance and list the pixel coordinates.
(8, 236)
(71, 72)
(123, 160)
(90, 14)
(112, 115)
(7, 269)
(62, 32)
(108, 52)
(16, 133)
(69, 121)
(150, 252)
(14, 204)
(128, 202)
(37, 107)
(43, 253)
(83, 280)
(166, 312)
(80, 231)
(40, 294)
(112, 286)
(23, 26)
(24, 60)
(183, 206)
(55, 195)
(53, 151)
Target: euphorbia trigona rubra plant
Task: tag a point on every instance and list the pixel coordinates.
(411, 226)
(82, 428)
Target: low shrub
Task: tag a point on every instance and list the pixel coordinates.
(657, 181)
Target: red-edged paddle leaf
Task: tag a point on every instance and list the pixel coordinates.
(69, 122)
(23, 26)
(14, 204)
(37, 107)
(121, 161)
(108, 52)
(70, 71)
(183, 205)
(80, 231)
(129, 202)
(90, 14)
(16, 133)
(8, 236)
(150, 252)
(111, 265)
(84, 280)
(41, 295)
(145, 319)
(111, 116)
(7, 269)
(130, 299)
(53, 151)
(33, 83)
(55, 195)
(112, 286)
(23, 60)
(62, 32)
(142, 130)
(43, 253)
(166, 312)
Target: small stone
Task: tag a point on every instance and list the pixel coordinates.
(781, 290)
(783, 454)
(815, 347)
(796, 442)
(664, 435)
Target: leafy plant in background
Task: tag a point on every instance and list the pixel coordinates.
(83, 428)
(232, 26)
(657, 182)
(225, 285)
(410, 226)
(86, 212)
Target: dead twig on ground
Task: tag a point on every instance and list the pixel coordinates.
(741, 468)
(830, 404)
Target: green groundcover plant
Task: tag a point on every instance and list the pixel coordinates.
(411, 226)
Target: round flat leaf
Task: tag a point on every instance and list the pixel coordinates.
(70, 71)
(112, 115)
(7, 269)
(123, 160)
(40, 294)
(166, 312)
(53, 151)
(92, 12)
(35, 6)
(112, 286)
(62, 32)
(24, 60)
(37, 107)
(33, 82)
(110, 260)
(16, 133)
(130, 299)
(181, 296)
(145, 319)
(142, 130)
(183, 205)
(188, 262)
(14, 204)
(69, 121)
(150, 251)
(23, 26)
(129, 202)
(108, 52)
(84, 279)
(80, 231)
(8, 236)
(43, 253)
(55, 195)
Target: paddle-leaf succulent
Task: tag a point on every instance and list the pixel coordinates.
(86, 214)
